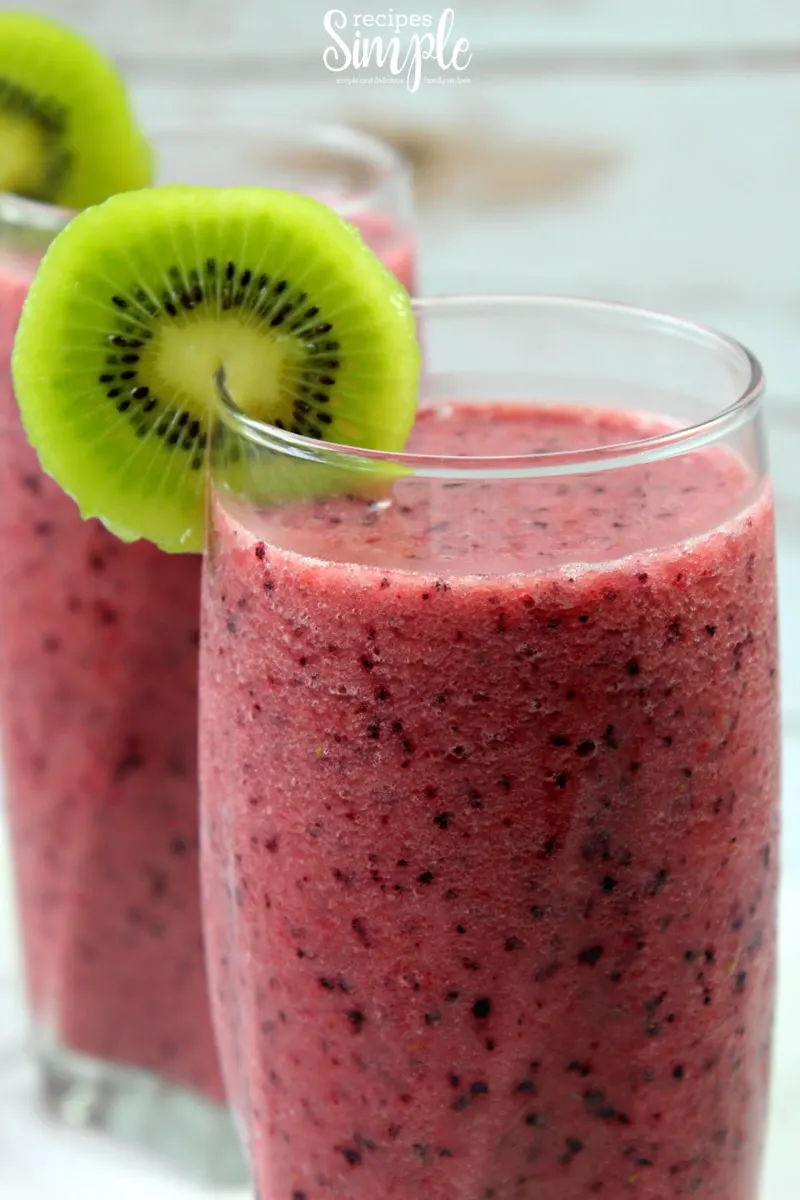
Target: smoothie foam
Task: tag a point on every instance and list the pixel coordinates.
(490, 818)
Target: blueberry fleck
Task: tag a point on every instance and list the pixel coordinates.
(659, 879)
(591, 955)
(127, 765)
(573, 1146)
(579, 1068)
(596, 1105)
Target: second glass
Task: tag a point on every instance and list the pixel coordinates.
(490, 769)
(98, 699)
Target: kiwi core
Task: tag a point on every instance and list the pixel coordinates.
(22, 156)
(183, 359)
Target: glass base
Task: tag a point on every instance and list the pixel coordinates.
(195, 1136)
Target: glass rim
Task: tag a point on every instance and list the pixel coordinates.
(23, 213)
(637, 451)
(392, 166)
(333, 135)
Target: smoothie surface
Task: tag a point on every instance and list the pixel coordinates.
(486, 526)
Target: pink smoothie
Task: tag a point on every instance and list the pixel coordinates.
(98, 688)
(394, 246)
(489, 809)
(98, 714)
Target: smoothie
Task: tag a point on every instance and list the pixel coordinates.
(393, 245)
(98, 663)
(98, 687)
(489, 811)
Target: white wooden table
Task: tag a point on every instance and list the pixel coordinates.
(616, 148)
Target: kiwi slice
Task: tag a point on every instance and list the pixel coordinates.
(67, 133)
(138, 303)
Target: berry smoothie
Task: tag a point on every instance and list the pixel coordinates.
(98, 706)
(489, 811)
(98, 712)
(393, 245)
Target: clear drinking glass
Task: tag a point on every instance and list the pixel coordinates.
(98, 705)
(364, 179)
(489, 757)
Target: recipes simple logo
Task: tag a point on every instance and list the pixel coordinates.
(403, 43)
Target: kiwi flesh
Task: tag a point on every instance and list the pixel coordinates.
(140, 301)
(67, 132)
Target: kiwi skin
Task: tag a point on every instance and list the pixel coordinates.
(128, 273)
(81, 123)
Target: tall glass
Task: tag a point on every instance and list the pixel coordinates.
(98, 704)
(489, 756)
(364, 179)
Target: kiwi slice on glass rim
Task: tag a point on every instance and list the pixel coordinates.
(67, 131)
(141, 300)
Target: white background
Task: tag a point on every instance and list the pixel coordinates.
(640, 151)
